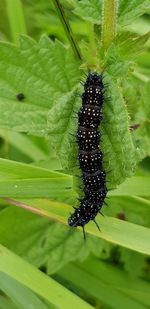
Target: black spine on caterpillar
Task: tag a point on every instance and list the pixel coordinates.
(90, 156)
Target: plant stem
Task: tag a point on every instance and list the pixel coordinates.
(67, 29)
(109, 16)
(16, 19)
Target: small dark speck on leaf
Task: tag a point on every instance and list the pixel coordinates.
(20, 97)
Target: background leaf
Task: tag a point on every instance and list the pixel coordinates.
(128, 11)
(49, 289)
(20, 295)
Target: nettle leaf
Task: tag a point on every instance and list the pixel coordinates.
(133, 263)
(141, 123)
(118, 147)
(23, 117)
(43, 242)
(89, 10)
(62, 126)
(128, 10)
(43, 72)
(130, 45)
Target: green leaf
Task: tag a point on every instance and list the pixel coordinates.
(5, 302)
(43, 72)
(113, 230)
(128, 10)
(22, 117)
(142, 116)
(130, 45)
(25, 145)
(44, 286)
(43, 242)
(117, 144)
(24, 180)
(117, 279)
(11, 169)
(89, 10)
(19, 294)
(96, 286)
(133, 263)
(137, 185)
(62, 124)
(132, 208)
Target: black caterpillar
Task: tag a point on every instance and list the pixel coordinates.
(90, 156)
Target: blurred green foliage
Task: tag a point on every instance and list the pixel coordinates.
(43, 264)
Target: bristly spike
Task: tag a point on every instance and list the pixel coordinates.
(101, 214)
(84, 235)
(96, 224)
(106, 204)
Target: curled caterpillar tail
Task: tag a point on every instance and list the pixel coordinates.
(90, 155)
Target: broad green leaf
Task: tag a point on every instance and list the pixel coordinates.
(137, 185)
(137, 289)
(118, 148)
(51, 164)
(142, 116)
(5, 302)
(133, 263)
(47, 188)
(43, 242)
(44, 286)
(128, 10)
(130, 45)
(11, 169)
(23, 180)
(22, 117)
(113, 230)
(89, 10)
(23, 143)
(43, 72)
(20, 295)
(131, 208)
(62, 126)
(96, 287)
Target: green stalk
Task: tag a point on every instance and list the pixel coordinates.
(67, 28)
(16, 19)
(109, 17)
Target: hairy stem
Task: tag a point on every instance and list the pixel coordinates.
(109, 17)
(67, 28)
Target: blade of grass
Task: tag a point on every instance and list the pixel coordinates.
(24, 298)
(129, 235)
(38, 282)
(11, 170)
(135, 288)
(25, 145)
(96, 288)
(5, 302)
(137, 185)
